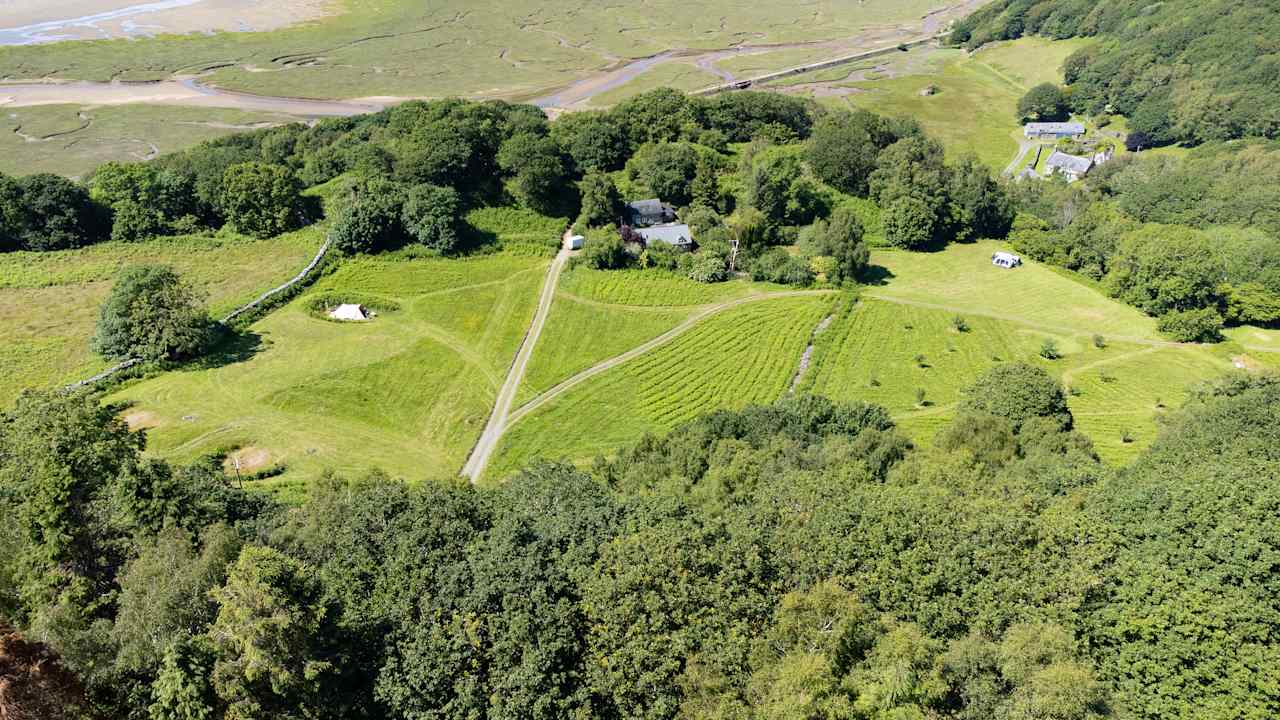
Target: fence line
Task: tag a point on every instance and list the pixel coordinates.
(104, 374)
(125, 365)
(296, 279)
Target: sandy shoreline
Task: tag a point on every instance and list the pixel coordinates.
(36, 21)
(176, 92)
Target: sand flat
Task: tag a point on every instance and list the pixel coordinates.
(186, 92)
(37, 21)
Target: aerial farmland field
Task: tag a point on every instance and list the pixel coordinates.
(406, 392)
(901, 338)
(49, 300)
(746, 354)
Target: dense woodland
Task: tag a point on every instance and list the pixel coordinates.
(802, 560)
(794, 561)
(754, 166)
(1182, 70)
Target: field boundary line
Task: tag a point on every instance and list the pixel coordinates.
(666, 337)
(498, 418)
(130, 362)
(324, 248)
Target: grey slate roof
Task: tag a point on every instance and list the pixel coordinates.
(650, 212)
(1053, 128)
(673, 234)
(1069, 163)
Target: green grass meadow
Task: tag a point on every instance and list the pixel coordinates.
(746, 354)
(1119, 391)
(407, 392)
(581, 333)
(49, 300)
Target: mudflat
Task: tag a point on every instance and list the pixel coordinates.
(37, 21)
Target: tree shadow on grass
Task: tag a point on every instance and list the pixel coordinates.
(229, 348)
(473, 240)
(877, 275)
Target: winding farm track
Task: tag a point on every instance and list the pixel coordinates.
(498, 419)
(1024, 147)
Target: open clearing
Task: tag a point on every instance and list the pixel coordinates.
(1121, 389)
(49, 300)
(408, 392)
(975, 100)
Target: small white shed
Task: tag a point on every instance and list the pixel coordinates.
(575, 242)
(1005, 260)
(349, 311)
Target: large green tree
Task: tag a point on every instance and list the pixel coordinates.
(48, 212)
(843, 238)
(592, 139)
(60, 456)
(430, 215)
(601, 203)
(666, 170)
(268, 639)
(371, 219)
(151, 314)
(843, 148)
(980, 206)
(507, 636)
(145, 201)
(1164, 268)
(1044, 103)
(1018, 392)
(537, 170)
(909, 222)
(261, 200)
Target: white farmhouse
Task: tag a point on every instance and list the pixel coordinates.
(1072, 167)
